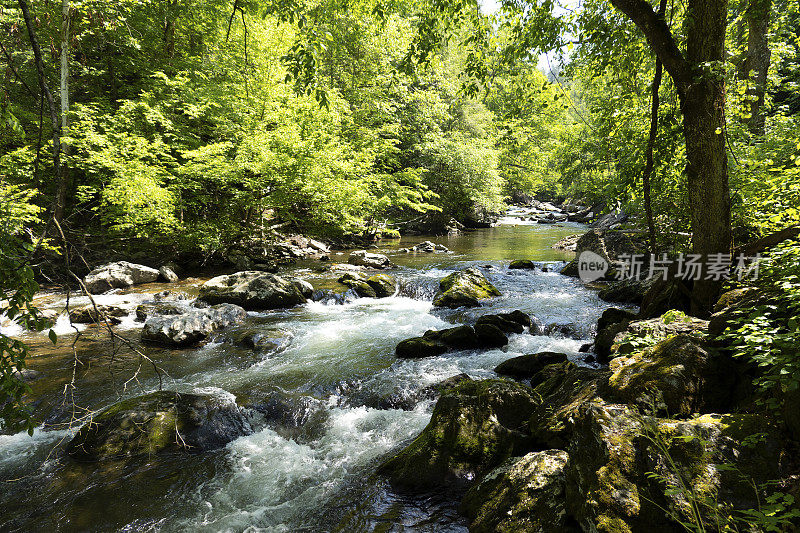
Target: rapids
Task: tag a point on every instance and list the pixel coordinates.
(326, 420)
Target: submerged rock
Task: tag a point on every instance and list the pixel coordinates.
(475, 426)
(465, 288)
(252, 290)
(118, 275)
(370, 260)
(522, 264)
(192, 327)
(158, 422)
(523, 494)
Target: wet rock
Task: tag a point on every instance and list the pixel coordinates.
(519, 317)
(459, 337)
(370, 260)
(560, 330)
(262, 341)
(490, 335)
(418, 347)
(679, 376)
(358, 283)
(465, 288)
(632, 473)
(522, 264)
(502, 322)
(526, 366)
(252, 290)
(143, 311)
(383, 285)
(523, 494)
(27, 374)
(118, 275)
(168, 275)
(298, 418)
(158, 422)
(88, 315)
(191, 328)
(305, 288)
(475, 426)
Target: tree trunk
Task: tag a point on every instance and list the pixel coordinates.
(699, 78)
(651, 141)
(61, 194)
(756, 64)
(703, 106)
(65, 148)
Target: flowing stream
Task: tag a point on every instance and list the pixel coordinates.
(335, 401)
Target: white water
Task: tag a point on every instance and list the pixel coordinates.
(340, 362)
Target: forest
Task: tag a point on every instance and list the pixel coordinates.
(351, 235)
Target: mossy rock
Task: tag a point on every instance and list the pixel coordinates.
(628, 472)
(252, 290)
(501, 322)
(522, 264)
(679, 376)
(383, 285)
(475, 426)
(463, 337)
(490, 335)
(465, 288)
(418, 347)
(358, 282)
(564, 388)
(525, 366)
(523, 494)
(159, 422)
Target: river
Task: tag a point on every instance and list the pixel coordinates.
(338, 401)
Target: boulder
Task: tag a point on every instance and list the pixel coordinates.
(465, 288)
(168, 275)
(525, 366)
(490, 335)
(523, 494)
(609, 245)
(383, 285)
(192, 327)
(627, 335)
(252, 290)
(118, 275)
(631, 473)
(501, 322)
(272, 342)
(305, 287)
(568, 243)
(475, 426)
(678, 376)
(626, 291)
(609, 221)
(143, 311)
(158, 422)
(563, 388)
(459, 337)
(418, 347)
(370, 260)
(358, 282)
(522, 264)
(87, 314)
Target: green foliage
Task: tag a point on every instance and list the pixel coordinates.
(17, 288)
(767, 333)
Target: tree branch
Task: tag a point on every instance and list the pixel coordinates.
(660, 38)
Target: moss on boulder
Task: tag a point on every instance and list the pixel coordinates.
(523, 494)
(680, 376)
(475, 426)
(630, 473)
(158, 422)
(526, 366)
(252, 290)
(465, 288)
